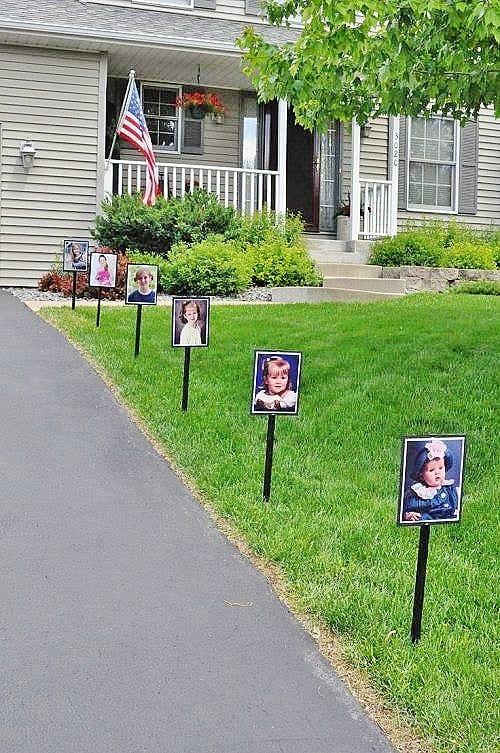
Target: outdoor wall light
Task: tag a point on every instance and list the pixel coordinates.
(27, 153)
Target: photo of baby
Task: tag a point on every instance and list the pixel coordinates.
(142, 284)
(190, 317)
(276, 382)
(75, 256)
(102, 270)
(431, 480)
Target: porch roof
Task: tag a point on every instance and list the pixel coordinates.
(131, 34)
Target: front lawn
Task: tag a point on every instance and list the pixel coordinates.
(372, 373)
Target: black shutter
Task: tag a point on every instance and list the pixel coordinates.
(403, 149)
(467, 171)
(205, 4)
(192, 136)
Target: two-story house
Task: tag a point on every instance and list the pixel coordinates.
(64, 66)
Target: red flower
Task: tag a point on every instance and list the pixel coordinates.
(206, 102)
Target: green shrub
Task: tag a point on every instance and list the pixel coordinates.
(262, 226)
(211, 267)
(126, 223)
(478, 287)
(275, 263)
(408, 248)
(468, 255)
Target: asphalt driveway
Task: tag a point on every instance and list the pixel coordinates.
(128, 623)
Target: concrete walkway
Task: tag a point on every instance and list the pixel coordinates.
(128, 622)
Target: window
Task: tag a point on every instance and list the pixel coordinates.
(432, 168)
(162, 116)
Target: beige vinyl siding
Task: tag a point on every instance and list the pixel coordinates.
(221, 143)
(488, 180)
(53, 98)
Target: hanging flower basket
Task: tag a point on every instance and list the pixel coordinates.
(200, 104)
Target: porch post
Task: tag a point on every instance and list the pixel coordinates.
(393, 173)
(282, 137)
(355, 187)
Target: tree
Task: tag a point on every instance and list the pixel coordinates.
(363, 58)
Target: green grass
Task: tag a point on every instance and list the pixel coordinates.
(372, 373)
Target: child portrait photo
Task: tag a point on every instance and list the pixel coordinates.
(276, 378)
(190, 318)
(76, 256)
(102, 270)
(142, 284)
(431, 480)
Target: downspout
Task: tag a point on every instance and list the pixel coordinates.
(282, 139)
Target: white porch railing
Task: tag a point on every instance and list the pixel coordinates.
(246, 190)
(375, 200)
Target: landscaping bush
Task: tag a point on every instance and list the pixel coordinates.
(478, 287)
(262, 226)
(275, 263)
(211, 267)
(409, 248)
(468, 255)
(126, 223)
(439, 244)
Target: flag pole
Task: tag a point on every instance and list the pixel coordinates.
(131, 77)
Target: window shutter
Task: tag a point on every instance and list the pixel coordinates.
(403, 149)
(205, 4)
(467, 173)
(192, 136)
(253, 7)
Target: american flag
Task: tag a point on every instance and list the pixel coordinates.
(132, 127)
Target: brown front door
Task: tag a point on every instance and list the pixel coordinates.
(302, 163)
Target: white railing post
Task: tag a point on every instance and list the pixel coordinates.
(282, 138)
(355, 185)
(108, 181)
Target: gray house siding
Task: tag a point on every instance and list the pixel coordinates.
(54, 99)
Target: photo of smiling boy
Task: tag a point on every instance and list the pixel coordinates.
(276, 382)
(141, 284)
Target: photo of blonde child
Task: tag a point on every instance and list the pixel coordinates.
(75, 256)
(428, 493)
(276, 382)
(141, 283)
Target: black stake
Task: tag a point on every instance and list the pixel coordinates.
(418, 599)
(98, 315)
(271, 420)
(138, 330)
(73, 297)
(185, 381)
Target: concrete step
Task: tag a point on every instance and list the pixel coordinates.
(373, 284)
(338, 257)
(321, 295)
(333, 269)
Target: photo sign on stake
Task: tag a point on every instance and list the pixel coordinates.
(275, 391)
(142, 284)
(190, 322)
(431, 480)
(102, 270)
(75, 255)
(276, 378)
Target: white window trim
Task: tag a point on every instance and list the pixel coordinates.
(455, 188)
(156, 85)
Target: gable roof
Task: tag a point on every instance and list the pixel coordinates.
(102, 25)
